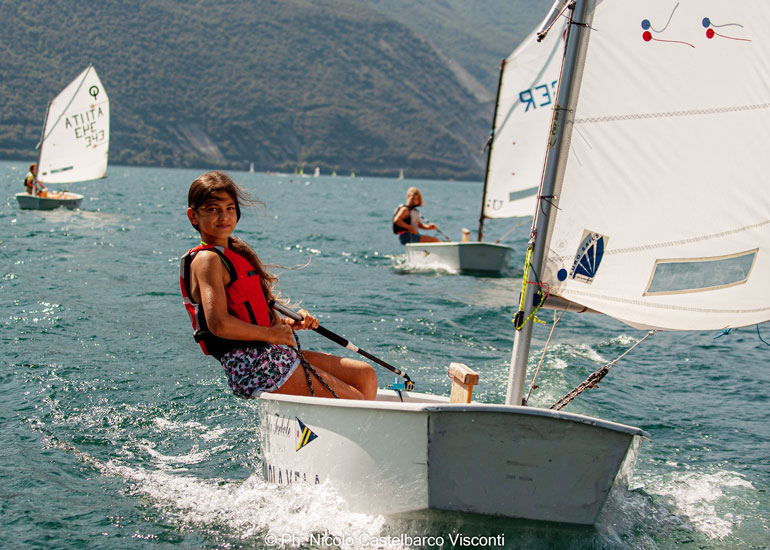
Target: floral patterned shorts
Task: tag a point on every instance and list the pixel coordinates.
(258, 369)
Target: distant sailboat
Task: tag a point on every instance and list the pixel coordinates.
(251, 168)
(515, 155)
(75, 142)
(401, 174)
(317, 172)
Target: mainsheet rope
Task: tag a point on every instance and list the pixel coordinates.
(533, 386)
(760, 336)
(511, 230)
(308, 368)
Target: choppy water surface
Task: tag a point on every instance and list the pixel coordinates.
(118, 433)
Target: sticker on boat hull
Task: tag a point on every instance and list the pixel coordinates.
(305, 435)
(288, 432)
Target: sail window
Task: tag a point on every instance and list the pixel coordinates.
(57, 170)
(523, 194)
(677, 276)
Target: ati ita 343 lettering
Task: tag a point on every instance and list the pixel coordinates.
(84, 126)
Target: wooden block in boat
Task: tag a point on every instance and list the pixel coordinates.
(463, 380)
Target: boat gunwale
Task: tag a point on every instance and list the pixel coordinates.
(73, 197)
(438, 405)
(457, 243)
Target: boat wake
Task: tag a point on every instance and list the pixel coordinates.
(705, 510)
(402, 265)
(711, 502)
(249, 510)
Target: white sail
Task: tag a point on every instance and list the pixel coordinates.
(76, 136)
(525, 107)
(663, 213)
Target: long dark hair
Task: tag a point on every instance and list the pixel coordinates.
(212, 182)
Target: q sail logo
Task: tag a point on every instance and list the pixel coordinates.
(304, 435)
(587, 259)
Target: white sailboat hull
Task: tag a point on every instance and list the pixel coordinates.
(389, 457)
(459, 257)
(54, 200)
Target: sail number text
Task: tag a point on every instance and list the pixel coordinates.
(84, 126)
(538, 96)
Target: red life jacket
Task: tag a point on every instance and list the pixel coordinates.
(245, 300)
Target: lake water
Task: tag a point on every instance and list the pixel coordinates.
(119, 433)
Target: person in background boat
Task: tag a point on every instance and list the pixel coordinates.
(29, 179)
(229, 295)
(407, 222)
(34, 187)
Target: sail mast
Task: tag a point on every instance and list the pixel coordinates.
(490, 143)
(523, 337)
(40, 146)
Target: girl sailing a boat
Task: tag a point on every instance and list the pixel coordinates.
(229, 295)
(407, 222)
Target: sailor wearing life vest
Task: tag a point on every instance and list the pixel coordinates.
(227, 294)
(407, 222)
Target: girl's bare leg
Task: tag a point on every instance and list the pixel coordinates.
(349, 378)
(356, 373)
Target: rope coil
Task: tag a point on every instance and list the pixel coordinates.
(519, 321)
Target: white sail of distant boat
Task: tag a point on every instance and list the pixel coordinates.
(653, 209)
(75, 141)
(317, 172)
(527, 94)
(251, 168)
(516, 154)
(400, 174)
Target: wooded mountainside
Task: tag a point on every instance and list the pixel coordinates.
(371, 86)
